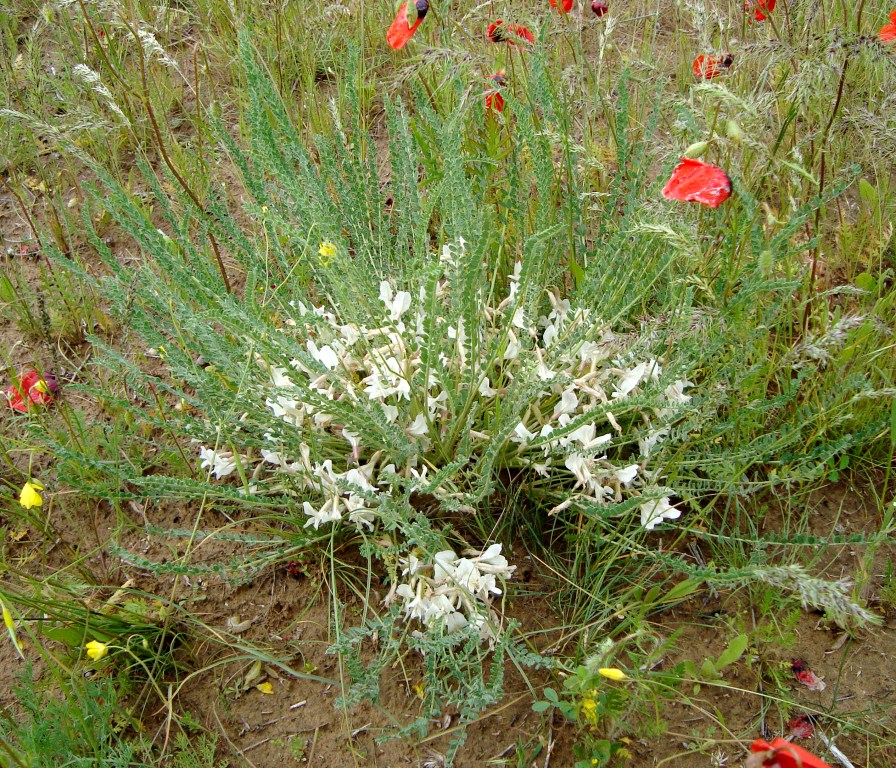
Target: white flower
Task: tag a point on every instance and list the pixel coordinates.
(221, 463)
(513, 347)
(279, 377)
(328, 513)
(568, 402)
(272, 457)
(654, 436)
(386, 380)
(391, 412)
(522, 435)
(358, 479)
(625, 475)
(361, 516)
(515, 280)
(485, 389)
(350, 333)
(325, 355)
(398, 305)
(419, 427)
(581, 468)
(354, 441)
(633, 377)
(443, 563)
(491, 559)
(655, 511)
(544, 373)
(675, 391)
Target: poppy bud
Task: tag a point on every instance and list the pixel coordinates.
(734, 132)
(696, 149)
(422, 7)
(599, 7)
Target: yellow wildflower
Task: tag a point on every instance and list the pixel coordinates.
(613, 673)
(96, 650)
(265, 687)
(11, 628)
(29, 496)
(326, 252)
(589, 709)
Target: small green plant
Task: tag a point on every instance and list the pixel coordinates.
(196, 751)
(84, 723)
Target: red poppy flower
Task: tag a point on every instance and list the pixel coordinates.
(783, 754)
(711, 66)
(563, 5)
(37, 390)
(599, 7)
(806, 676)
(511, 34)
(693, 181)
(493, 98)
(887, 32)
(401, 31)
(759, 8)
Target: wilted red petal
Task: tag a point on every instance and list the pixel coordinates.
(563, 5)
(15, 400)
(806, 676)
(801, 727)
(399, 33)
(693, 181)
(599, 7)
(33, 387)
(783, 754)
(711, 66)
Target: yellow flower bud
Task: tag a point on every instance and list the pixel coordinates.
(96, 650)
(29, 496)
(612, 673)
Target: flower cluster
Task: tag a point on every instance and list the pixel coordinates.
(453, 592)
(402, 390)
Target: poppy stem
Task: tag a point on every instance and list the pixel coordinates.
(822, 148)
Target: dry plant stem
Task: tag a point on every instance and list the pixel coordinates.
(128, 91)
(821, 183)
(150, 112)
(23, 208)
(859, 15)
(233, 746)
(180, 449)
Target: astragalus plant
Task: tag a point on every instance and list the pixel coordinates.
(381, 347)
